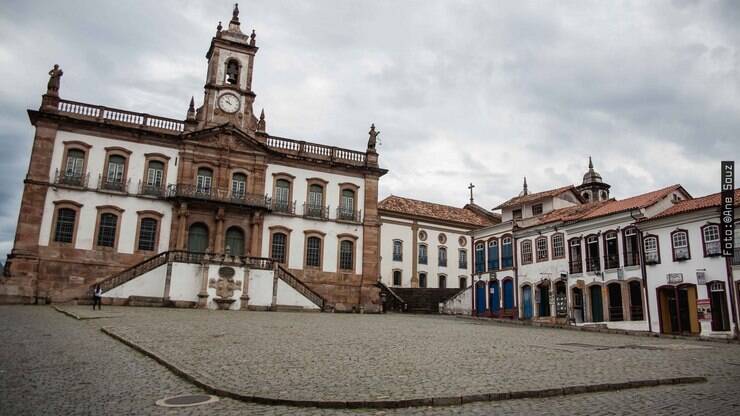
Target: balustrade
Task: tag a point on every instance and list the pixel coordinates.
(348, 214)
(217, 195)
(76, 179)
(316, 211)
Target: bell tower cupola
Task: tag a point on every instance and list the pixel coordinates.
(228, 89)
(593, 188)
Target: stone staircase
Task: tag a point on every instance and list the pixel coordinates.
(302, 288)
(424, 300)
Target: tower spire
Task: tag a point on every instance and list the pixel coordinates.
(590, 163)
(525, 191)
(261, 125)
(234, 23)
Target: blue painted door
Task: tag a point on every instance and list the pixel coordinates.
(495, 297)
(527, 300)
(480, 298)
(508, 294)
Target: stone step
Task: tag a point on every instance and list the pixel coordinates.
(145, 301)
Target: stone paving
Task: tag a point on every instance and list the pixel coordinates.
(53, 364)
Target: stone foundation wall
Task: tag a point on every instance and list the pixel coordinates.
(343, 289)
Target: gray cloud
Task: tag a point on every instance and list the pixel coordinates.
(482, 92)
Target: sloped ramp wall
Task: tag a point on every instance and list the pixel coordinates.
(150, 284)
(460, 304)
(260, 292)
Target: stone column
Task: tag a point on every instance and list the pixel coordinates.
(414, 255)
(273, 305)
(182, 229)
(219, 243)
(245, 289)
(255, 236)
(203, 294)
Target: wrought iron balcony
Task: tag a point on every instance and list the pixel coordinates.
(316, 211)
(652, 258)
(218, 195)
(611, 261)
(576, 266)
(106, 184)
(348, 214)
(151, 190)
(713, 248)
(593, 264)
(681, 253)
(283, 207)
(631, 258)
(75, 179)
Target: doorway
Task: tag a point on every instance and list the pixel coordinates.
(544, 299)
(480, 298)
(198, 238)
(677, 307)
(614, 290)
(718, 303)
(597, 306)
(527, 301)
(508, 295)
(495, 301)
(561, 299)
(635, 301)
(578, 305)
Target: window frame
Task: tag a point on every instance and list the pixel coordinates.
(279, 229)
(673, 244)
(353, 240)
(635, 249)
(552, 246)
(212, 184)
(232, 182)
(546, 250)
(348, 186)
(155, 157)
(320, 182)
(517, 214)
(238, 73)
(482, 246)
(526, 250)
(541, 209)
(400, 278)
(120, 152)
(462, 258)
(646, 237)
(441, 277)
(310, 234)
(108, 209)
(400, 251)
(441, 255)
(587, 253)
(511, 244)
(492, 242)
(418, 253)
(148, 214)
(606, 238)
(573, 242)
(704, 239)
(75, 145)
(73, 205)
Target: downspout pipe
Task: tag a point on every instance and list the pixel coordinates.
(731, 291)
(643, 271)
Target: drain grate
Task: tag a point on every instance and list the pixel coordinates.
(187, 400)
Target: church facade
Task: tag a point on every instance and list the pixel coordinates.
(107, 189)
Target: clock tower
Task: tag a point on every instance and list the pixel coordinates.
(228, 88)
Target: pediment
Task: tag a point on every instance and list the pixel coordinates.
(227, 137)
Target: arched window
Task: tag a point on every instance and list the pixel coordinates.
(278, 247)
(204, 180)
(235, 241)
(107, 230)
(558, 246)
(442, 282)
(593, 264)
(282, 196)
(710, 234)
(526, 252)
(198, 238)
(346, 255)
(493, 254)
(576, 256)
(155, 174)
(422, 254)
(631, 250)
(542, 250)
(480, 256)
(347, 203)
(397, 250)
(315, 204)
(507, 253)
(65, 227)
(397, 278)
(116, 165)
(238, 185)
(313, 252)
(75, 163)
(422, 279)
(611, 250)
(463, 282)
(680, 244)
(462, 255)
(148, 234)
(232, 72)
(442, 257)
(652, 254)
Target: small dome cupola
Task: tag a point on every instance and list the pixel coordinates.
(593, 187)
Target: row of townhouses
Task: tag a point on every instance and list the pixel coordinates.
(213, 211)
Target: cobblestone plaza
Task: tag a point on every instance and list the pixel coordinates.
(54, 364)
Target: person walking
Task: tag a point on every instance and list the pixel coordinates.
(97, 297)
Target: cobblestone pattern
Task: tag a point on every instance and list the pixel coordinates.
(52, 364)
(392, 357)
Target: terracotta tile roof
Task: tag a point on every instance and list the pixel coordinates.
(635, 202)
(519, 200)
(408, 206)
(689, 205)
(572, 213)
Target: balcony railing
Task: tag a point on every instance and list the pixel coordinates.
(283, 207)
(397, 257)
(316, 211)
(651, 258)
(631, 258)
(736, 256)
(442, 262)
(218, 195)
(151, 190)
(593, 264)
(462, 264)
(423, 259)
(316, 151)
(681, 253)
(71, 179)
(611, 261)
(576, 266)
(116, 116)
(713, 248)
(348, 214)
(105, 184)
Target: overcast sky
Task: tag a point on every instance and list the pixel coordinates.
(462, 91)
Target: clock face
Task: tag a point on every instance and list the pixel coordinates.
(228, 103)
